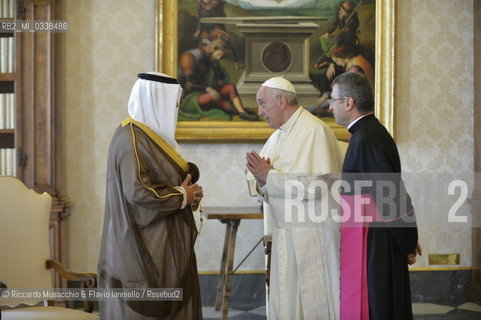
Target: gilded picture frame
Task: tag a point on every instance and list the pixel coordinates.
(166, 54)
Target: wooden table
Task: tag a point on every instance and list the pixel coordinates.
(231, 216)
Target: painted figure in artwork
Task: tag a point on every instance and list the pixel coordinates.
(208, 90)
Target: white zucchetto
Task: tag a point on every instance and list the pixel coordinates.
(279, 83)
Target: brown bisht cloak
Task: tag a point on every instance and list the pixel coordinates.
(147, 240)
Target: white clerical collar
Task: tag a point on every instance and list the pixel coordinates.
(286, 127)
(352, 123)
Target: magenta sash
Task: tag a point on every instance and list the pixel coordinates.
(357, 212)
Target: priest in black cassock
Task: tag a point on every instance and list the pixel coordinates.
(374, 254)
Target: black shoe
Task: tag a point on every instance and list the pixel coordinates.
(249, 116)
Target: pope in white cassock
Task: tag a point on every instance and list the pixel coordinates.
(304, 275)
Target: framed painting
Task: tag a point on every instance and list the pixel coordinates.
(223, 50)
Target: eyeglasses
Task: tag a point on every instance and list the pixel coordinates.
(331, 101)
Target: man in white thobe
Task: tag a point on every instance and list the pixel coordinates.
(304, 278)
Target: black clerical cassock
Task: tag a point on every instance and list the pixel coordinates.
(374, 270)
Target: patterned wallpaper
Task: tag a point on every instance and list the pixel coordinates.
(222, 177)
(109, 42)
(434, 109)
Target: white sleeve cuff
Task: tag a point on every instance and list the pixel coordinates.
(184, 196)
(261, 190)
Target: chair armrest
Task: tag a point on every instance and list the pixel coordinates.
(87, 280)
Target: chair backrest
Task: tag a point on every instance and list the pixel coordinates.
(24, 238)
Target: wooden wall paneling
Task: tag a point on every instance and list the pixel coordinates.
(39, 100)
(38, 137)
